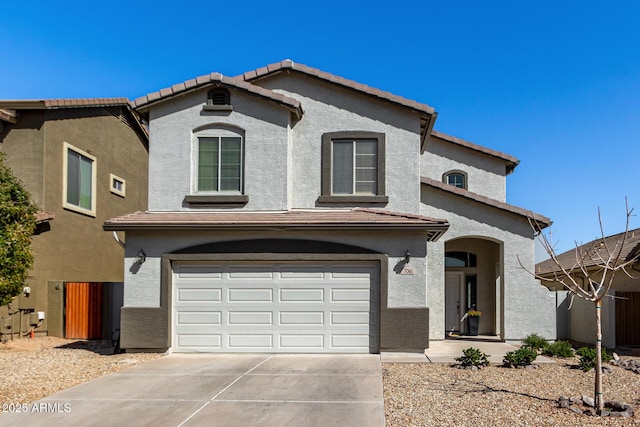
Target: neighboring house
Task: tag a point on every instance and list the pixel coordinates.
(82, 161)
(291, 210)
(620, 315)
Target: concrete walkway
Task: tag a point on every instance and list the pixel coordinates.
(222, 390)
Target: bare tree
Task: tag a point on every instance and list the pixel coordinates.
(589, 276)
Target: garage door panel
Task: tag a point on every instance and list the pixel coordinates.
(349, 341)
(199, 317)
(250, 318)
(250, 341)
(350, 295)
(302, 318)
(301, 295)
(350, 318)
(199, 295)
(250, 295)
(276, 308)
(291, 272)
(196, 272)
(250, 272)
(213, 341)
(302, 342)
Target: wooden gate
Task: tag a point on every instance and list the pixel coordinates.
(83, 310)
(628, 318)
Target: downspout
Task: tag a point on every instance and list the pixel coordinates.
(117, 239)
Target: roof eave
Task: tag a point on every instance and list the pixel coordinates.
(436, 229)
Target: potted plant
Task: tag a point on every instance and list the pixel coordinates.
(473, 320)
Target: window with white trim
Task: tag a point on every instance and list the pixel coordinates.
(219, 164)
(79, 180)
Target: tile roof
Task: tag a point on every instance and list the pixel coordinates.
(8, 115)
(7, 105)
(596, 248)
(511, 161)
(143, 103)
(357, 218)
(39, 104)
(288, 64)
(543, 220)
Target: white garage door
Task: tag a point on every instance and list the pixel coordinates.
(281, 308)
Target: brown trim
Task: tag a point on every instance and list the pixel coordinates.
(234, 200)
(465, 176)
(349, 199)
(327, 160)
(511, 162)
(542, 220)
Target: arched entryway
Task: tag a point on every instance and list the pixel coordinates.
(473, 280)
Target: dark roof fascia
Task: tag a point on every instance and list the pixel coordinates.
(64, 103)
(144, 103)
(511, 162)
(542, 220)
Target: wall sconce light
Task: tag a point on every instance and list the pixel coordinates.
(407, 257)
(142, 257)
(26, 291)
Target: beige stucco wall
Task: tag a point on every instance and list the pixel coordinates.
(75, 249)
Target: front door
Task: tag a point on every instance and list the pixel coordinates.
(453, 301)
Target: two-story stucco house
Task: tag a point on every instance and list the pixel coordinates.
(291, 210)
(83, 161)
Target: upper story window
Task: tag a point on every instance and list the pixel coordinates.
(219, 164)
(456, 178)
(353, 167)
(79, 180)
(118, 185)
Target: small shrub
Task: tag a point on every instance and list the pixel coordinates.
(559, 349)
(588, 357)
(520, 357)
(535, 342)
(473, 357)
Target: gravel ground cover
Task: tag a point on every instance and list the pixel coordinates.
(415, 394)
(438, 395)
(33, 369)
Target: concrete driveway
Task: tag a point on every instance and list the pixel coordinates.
(222, 390)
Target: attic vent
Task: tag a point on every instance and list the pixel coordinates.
(219, 96)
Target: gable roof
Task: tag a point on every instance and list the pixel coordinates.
(9, 108)
(288, 64)
(313, 219)
(461, 192)
(143, 103)
(596, 247)
(428, 114)
(511, 161)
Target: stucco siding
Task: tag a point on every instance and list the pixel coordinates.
(143, 281)
(264, 127)
(328, 108)
(527, 307)
(486, 175)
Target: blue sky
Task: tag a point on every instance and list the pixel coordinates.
(556, 84)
